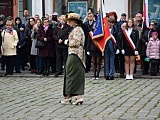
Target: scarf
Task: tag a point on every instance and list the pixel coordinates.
(45, 28)
(10, 31)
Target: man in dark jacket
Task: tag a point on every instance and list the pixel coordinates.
(2, 24)
(89, 23)
(145, 39)
(120, 57)
(60, 34)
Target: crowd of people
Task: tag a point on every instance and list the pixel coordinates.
(62, 45)
(19, 38)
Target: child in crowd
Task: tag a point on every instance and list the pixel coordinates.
(153, 52)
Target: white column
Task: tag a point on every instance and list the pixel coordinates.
(37, 7)
(48, 6)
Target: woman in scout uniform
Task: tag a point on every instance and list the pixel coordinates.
(74, 78)
(130, 45)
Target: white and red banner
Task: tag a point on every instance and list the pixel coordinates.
(145, 13)
(129, 40)
(113, 39)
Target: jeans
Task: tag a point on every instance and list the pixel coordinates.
(39, 63)
(109, 58)
(154, 63)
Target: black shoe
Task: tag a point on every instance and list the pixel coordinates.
(2, 68)
(112, 78)
(145, 73)
(40, 72)
(155, 74)
(47, 73)
(53, 71)
(11, 73)
(18, 71)
(23, 68)
(121, 75)
(7, 73)
(107, 77)
(57, 74)
(44, 73)
(117, 71)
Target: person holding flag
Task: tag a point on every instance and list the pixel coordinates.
(110, 51)
(130, 46)
(95, 54)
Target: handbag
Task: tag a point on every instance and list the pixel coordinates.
(40, 44)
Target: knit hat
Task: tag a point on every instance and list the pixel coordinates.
(154, 33)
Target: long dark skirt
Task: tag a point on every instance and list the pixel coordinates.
(74, 79)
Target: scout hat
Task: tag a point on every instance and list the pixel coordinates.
(73, 16)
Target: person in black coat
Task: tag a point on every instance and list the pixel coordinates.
(28, 42)
(45, 34)
(145, 39)
(60, 34)
(20, 46)
(120, 56)
(129, 53)
(89, 26)
(96, 56)
(2, 25)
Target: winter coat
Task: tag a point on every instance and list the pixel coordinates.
(61, 33)
(145, 38)
(153, 49)
(9, 43)
(34, 40)
(49, 49)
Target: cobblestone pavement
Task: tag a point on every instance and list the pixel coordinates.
(37, 98)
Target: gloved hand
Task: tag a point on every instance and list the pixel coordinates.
(88, 53)
(123, 52)
(117, 51)
(66, 42)
(136, 52)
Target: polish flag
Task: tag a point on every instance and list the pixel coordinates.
(145, 13)
(101, 34)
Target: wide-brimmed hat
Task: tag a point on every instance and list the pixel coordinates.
(73, 16)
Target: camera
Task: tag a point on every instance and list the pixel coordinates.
(54, 18)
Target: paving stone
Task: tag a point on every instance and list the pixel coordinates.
(37, 98)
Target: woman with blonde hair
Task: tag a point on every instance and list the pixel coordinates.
(9, 43)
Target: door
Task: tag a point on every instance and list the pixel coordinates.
(6, 7)
(136, 7)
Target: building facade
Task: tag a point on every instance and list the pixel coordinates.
(15, 7)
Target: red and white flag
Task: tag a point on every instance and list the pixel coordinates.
(145, 12)
(103, 36)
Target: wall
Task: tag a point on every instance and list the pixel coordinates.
(37, 7)
(118, 6)
(49, 6)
